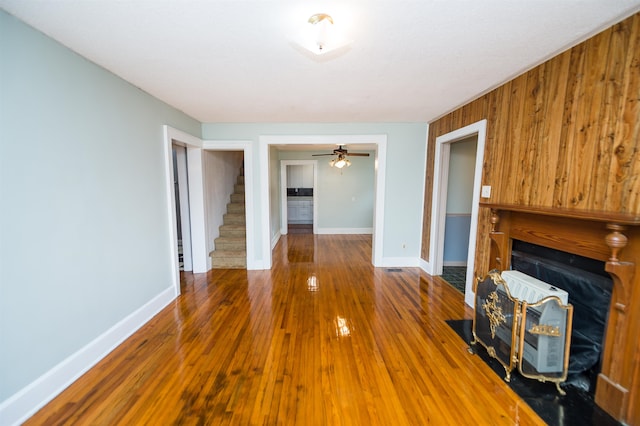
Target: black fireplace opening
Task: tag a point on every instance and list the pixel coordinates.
(589, 287)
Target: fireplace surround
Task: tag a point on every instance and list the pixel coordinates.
(613, 238)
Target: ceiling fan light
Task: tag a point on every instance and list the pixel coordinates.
(340, 162)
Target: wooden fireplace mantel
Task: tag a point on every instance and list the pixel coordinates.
(594, 215)
(613, 238)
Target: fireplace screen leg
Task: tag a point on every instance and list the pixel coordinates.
(507, 378)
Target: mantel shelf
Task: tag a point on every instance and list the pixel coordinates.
(593, 215)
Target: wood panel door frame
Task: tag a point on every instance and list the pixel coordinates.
(439, 203)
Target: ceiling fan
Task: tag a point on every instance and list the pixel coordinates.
(341, 160)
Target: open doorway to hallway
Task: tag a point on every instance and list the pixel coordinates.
(225, 202)
(271, 226)
(462, 159)
(439, 203)
(181, 190)
(299, 203)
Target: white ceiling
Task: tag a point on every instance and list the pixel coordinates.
(238, 61)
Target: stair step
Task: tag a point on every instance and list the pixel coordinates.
(233, 219)
(227, 259)
(231, 243)
(228, 253)
(240, 180)
(238, 188)
(235, 208)
(233, 231)
(237, 198)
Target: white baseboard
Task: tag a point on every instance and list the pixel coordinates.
(399, 262)
(425, 266)
(27, 401)
(344, 231)
(275, 239)
(256, 265)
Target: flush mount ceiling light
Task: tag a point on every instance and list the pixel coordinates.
(322, 24)
(320, 35)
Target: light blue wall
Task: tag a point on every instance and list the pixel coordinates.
(462, 165)
(345, 197)
(456, 238)
(84, 237)
(406, 146)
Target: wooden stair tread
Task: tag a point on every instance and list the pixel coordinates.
(228, 253)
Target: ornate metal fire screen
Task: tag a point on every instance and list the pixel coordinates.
(533, 335)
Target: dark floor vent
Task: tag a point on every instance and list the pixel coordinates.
(394, 269)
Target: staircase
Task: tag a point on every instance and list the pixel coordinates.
(231, 245)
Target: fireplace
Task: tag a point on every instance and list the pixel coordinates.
(588, 287)
(613, 239)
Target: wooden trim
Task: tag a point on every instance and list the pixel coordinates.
(594, 215)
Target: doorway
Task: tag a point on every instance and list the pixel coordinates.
(457, 227)
(379, 141)
(181, 189)
(298, 181)
(439, 207)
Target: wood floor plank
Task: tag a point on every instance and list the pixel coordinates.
(322, 338)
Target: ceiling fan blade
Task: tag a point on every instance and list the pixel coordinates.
(357, 154)
(319, 155)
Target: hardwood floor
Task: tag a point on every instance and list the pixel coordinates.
(323, 338)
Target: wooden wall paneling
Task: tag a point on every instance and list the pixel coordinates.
(533, 136)
(573, 97)
(612, 76)
(499, 141)
(549, 130)
(490, 161)
(612, 107)
(456, 120)
(512, 146)
(587, 151)
(528, 179)
(490, 165)
(624, 186)
(428, 193)
(553, 88)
